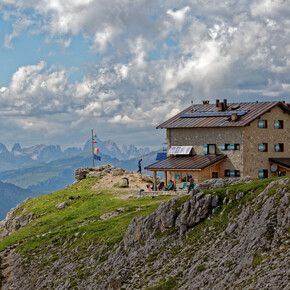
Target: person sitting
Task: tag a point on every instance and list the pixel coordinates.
(170, 186)
(160, 185)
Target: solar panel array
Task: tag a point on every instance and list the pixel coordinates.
(161, 156)
(180, 150)
(212, 114)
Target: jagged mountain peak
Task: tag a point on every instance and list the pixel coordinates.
(16, 147)
(3, 148)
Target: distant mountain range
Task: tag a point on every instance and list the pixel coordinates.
(40, 169)
(10, 196)
(19, 157)
(55, 175)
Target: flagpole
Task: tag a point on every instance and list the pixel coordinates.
(93, 147)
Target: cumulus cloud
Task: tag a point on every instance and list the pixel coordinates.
(156, 57)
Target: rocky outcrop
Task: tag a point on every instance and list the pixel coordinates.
(194, 242)
(15, 220)
(222, 182)
(170, 215)
(86, 172)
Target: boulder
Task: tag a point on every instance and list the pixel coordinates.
(61, 205)
(118, 171)
(124, 182)
(81, 173)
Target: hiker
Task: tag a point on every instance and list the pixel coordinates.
(191, 184)
(139, 166)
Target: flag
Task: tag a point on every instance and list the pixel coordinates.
(96, 150)
(96, 157)
(94, 141)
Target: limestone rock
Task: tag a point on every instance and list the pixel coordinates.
(146, 178)
(95, 174)
(61, 205)
(124, 182)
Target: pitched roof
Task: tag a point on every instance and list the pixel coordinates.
(281, 161)
(196, 162)
(201, 115)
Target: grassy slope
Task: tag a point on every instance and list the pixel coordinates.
(80, 218)
(76, 227)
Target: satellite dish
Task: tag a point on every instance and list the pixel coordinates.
(274, 167)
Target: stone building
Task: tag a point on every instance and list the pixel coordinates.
(227, 140)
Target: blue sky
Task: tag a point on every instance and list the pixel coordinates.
(123, 67)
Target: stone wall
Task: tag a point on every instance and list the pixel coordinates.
(197, 137)
(252, 135)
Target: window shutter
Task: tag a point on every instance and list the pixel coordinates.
(276, 125)
(223, 147)
(233, 173)
(261, 147)
(261, 174)
(261, 124)
(205, 149)
(232, 147)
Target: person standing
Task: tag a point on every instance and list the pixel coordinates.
(139, 166)
(191, 184)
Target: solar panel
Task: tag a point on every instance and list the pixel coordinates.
(212, 114)
(161, 156)
(180, 150)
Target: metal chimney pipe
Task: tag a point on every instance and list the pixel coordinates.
(221, 107)
(225, 104)
(217, 102)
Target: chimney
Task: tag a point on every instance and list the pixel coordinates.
(225, 104)
(217, 103)
(234, 117)
(205, 102)
(283, 102)
(221, 107)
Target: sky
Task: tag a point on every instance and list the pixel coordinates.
(122, 67)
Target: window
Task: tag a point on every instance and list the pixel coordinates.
(232, 173)
(263, 173)
(214, 175)
(281, 173)
(263, 147)
(230, 147)
(278, 124)
(224, 147)
(205, 149)
(262, 124)
(227, 173)
(279, 147)
(211, 149)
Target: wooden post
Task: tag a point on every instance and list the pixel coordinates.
(165, 177)
(93, 148)
(174, 179)
(155, 178)
(186, 180)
